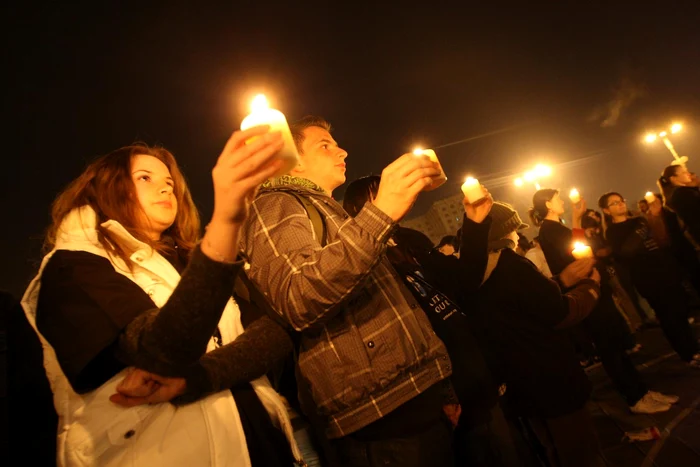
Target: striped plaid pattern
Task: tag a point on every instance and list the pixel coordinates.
(366, 347)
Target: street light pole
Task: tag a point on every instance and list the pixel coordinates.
(675, 128)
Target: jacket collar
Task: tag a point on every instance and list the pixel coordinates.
(293, 182)
(81, 225)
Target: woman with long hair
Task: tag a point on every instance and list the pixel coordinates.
(604, 326)
(655, 274)
(681, 195)
(143, 346)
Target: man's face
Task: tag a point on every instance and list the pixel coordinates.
(321, 160)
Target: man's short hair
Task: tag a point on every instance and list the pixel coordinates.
(297, 128)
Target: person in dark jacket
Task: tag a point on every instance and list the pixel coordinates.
(655, 273)
(666, 229)
(519, 316)
(681, 195)
(439, 283)
(605, 326)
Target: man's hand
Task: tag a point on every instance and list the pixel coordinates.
(453, 411)
(576, 272)
(401, 182)
(577, 212)
(477, 212)
(655, 208)
(140, 387)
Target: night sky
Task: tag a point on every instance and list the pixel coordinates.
(575, 87)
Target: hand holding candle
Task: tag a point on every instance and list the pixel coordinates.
(262, 114)
(430, 154)
(472, 190)
(581, 251)
(574, 196)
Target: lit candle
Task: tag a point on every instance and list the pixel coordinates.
(262, 114)
(582, 251)
(574, 196)
(650, 197)
(430, 154)
(472, 190)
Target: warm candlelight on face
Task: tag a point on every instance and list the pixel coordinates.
(574, 196)
(430, 154)
(262, 114)
(472, 190)
(582, 251)
(650, 197)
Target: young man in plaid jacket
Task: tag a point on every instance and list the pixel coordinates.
(368, 355)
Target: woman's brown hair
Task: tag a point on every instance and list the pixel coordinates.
(107, 187)
(666, 185)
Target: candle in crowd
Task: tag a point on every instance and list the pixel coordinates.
(262, 114)
(582, 251)
(650, 197)
(430, 154)
(574, 196)
(472, 190)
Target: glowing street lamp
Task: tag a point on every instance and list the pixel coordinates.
(542, 170)
(532, 176)
(675, 128)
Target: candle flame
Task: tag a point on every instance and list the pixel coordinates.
(418, 152)
(649, 193)
(663, 134)
(579, 245)
(573, 192)
(470, 180)
(259, 103)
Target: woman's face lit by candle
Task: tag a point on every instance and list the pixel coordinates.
(616, 206)
(682, 177)
(556, 205)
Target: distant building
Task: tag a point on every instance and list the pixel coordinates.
(443, 218)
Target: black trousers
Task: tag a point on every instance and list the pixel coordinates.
(490, 444)
(432, 447)
(569, 440)
(607, 330)
(670, 303)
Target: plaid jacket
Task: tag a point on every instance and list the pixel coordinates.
(366, 345)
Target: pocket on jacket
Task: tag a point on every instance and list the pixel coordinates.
(95, 443)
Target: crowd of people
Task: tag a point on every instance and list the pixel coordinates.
(162, 347)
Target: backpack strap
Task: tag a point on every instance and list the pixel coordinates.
(314, 216)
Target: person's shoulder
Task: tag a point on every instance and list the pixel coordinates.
(70, 267)
(279, 201)
(76, 259)
(516, 261)
(684, 193)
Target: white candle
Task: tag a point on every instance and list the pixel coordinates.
(650, 197)
(472, 190)
(262, 114)
(582, 251)
(430, 154)
(574, 196)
